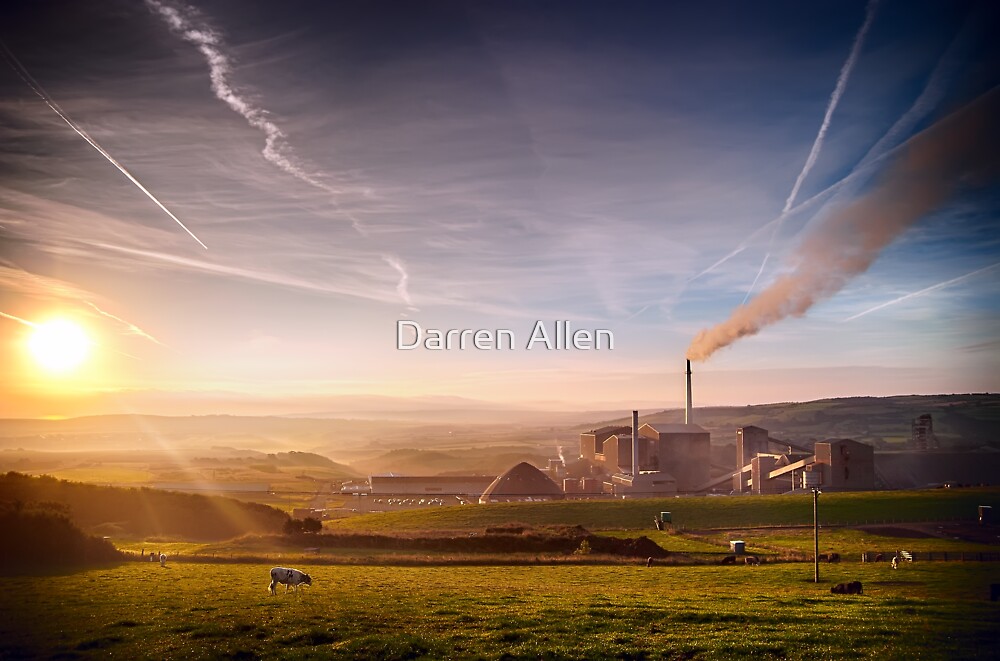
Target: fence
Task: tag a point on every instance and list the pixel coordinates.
(935, 556)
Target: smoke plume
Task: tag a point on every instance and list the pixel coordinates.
(963, 148)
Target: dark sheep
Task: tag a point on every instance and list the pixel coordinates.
(729, 560)
(854, 587)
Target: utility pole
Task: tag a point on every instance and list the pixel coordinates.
(816, 493)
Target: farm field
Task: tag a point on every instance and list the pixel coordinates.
(140, 610)
(694, 513)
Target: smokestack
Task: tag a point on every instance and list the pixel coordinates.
(635, 443)
(687, 399)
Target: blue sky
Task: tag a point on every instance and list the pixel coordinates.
(481, 165)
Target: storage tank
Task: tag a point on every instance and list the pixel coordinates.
(737, 546)
(591, 485)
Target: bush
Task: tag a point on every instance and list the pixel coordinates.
(40, 535)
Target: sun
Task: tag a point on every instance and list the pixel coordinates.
(59, 345)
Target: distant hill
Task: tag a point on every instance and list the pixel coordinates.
(960, 421)
(121, 432)
(295, 459)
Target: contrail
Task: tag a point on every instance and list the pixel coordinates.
(276, 148)
(23, 74)
(838, 91)
(18, 320)
(963, 148)
(930, 96)
(132, 328)
(940, 285)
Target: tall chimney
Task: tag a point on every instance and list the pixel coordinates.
(687, 401)
(635, 443)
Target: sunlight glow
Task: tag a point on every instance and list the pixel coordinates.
(59, 345)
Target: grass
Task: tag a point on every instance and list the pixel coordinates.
(693, 513)
(138, 610)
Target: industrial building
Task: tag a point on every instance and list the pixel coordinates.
(470, 486)
(592, 442)
(767, 465)
(681, 450)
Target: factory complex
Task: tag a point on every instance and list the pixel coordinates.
(660, 459)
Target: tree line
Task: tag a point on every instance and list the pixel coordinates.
(143, 512)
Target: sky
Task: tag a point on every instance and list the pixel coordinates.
(238, 201)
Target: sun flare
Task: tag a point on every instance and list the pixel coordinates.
(59, 345)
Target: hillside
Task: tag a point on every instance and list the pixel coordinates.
(40, 536)
(960, 421)
(143, 512)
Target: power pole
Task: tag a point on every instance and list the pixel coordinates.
(816, 493)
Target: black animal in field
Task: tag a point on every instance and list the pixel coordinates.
(854, 587)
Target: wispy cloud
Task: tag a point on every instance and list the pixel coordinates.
(404, 279)
(925, 290)
(276, 147)
(27, 285)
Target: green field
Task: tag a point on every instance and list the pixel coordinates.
(140, 610)
(381, 603)
(695, 513)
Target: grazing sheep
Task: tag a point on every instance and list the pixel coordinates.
(854, 587)
(752, 560)
(290, 577)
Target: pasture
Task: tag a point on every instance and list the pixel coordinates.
(140, 610)
(693, 513)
